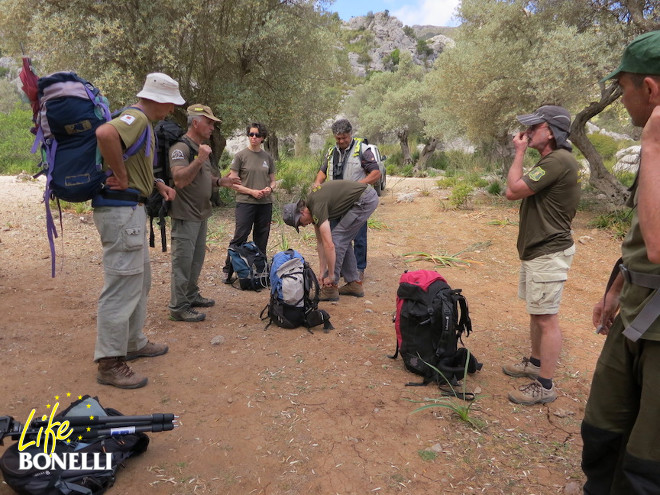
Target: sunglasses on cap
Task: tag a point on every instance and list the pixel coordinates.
(254, 134)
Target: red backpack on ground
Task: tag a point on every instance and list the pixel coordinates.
(431, 318)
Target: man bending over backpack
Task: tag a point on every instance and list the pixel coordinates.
(193, 179)
(127, 273)
(351, 203)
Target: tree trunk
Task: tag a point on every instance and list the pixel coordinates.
(427, 151)
(600, 178)
(271, 145)
(405, 147)
(218, 144)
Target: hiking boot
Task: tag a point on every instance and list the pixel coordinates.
(329, 293)
(149, 350)
(361, 275)
(533, 393)
(189, 315)
(114, 371)
(523, 369)
(202, 302)
(352, 289)
(226, 278)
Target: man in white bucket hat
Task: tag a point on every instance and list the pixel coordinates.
(121, 224)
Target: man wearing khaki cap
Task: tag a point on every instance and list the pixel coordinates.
(193, 180)
(122, 306)
(550, 193)
(620, 430)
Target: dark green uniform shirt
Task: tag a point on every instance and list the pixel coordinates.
(633, 297)
(333, 199)
(546, 216)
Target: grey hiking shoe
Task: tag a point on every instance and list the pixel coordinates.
(202, 302)
(150, 349)
(533, 393)
(114, 371)
(522, 369)
(352, 289)
(188, 315)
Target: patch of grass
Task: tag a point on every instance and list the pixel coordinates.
(617, 222)
(427, 455)
(502, 223)
(375, 224)
(494, 188)
(460, 195)
(445, 260)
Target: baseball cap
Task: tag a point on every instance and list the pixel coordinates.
(291, 215)
(204, 110)
(641, 56)
(161, 88)
(557, 118)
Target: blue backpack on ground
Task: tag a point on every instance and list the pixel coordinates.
(294, 294)
(70, 111)
(250, 265)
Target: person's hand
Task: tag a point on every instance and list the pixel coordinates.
(257, 194)
(604, 313)
(166, 191)
(204, 152)
(115, 184)
(520, 141)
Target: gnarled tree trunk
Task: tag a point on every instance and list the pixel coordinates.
(427, 151)
(600, 178)
(405, 147)
(271, 145)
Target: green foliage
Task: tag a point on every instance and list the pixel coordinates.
(297, 174)
(424, 49)
(626, 178)
(495, 188)
(392, 60)
(16, 141)
(3, 72)
(460, 194)
(410, 32)
(427, 455)
(605, 145)
(617, 222)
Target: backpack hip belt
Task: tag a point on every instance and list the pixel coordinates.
(111, 197)
(651, 310)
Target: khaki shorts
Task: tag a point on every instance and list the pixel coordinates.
(542, 281)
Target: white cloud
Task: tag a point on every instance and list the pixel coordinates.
(428, 12)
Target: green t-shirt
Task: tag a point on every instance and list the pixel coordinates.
(546, 216)
(130, 125)
(192, 202)
(333, 199)
(254, 169)
(633, 297)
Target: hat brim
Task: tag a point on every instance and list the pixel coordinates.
(612, 75)
(148, 95)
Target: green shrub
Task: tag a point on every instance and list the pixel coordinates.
(447, 182)
(495, 188)
(460, 195)
(626, 178)
(606, 146)
(16, 141)
(617, 222)
(438, 160)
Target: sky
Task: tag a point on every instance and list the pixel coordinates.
(410, 12)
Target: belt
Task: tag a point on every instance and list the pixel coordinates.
(651, 309)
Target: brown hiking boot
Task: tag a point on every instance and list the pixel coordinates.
(522, 369)
(329, 293)
(114, 371)
(352, 289)
(533, 393)
(149, 350)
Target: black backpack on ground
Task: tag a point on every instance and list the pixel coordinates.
(430, 321)
(294, 294)
(35, 481)
(251, 266)
(167, 134)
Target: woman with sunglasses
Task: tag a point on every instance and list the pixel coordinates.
(254, 200)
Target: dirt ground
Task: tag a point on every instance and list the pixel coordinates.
(289, 412)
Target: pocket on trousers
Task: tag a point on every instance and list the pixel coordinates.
(132, 238)
(547, 287)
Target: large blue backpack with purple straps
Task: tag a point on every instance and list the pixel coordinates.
(70, 110)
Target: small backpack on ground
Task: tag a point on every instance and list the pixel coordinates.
(167, 134)
(70, 111)
(431, 318)
(250, 265)
(294, 294)
(36, 481)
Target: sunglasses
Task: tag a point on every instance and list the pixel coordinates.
(254, 134)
